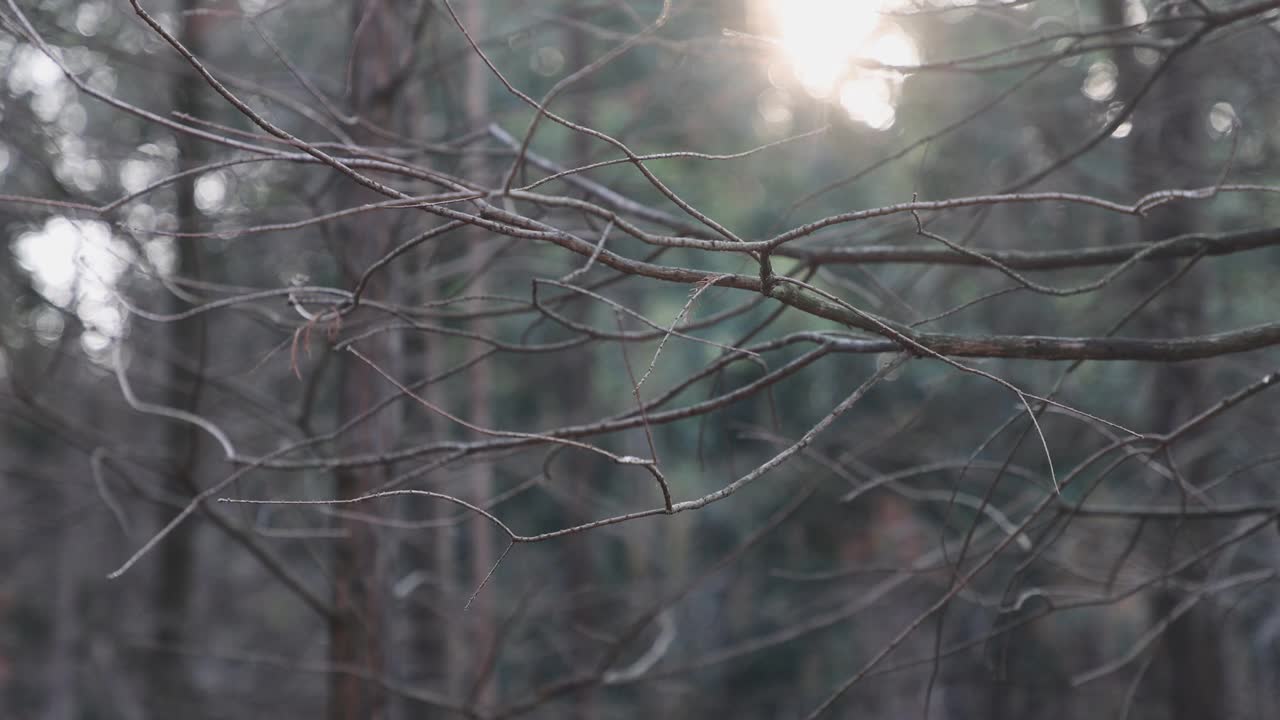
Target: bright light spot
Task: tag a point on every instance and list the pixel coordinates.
(1062, 46)
(95, 344)
(89, 17)
(827, 44)
(775, 108)
(547, 61)
(1146, 56)
(76, 265)
(1222, 119)
(33, 71)
(894, 47)
(821, 37)
(1123, 129)
(4, 158)
(1101, 80)
(73, 118)
(211, 190)
(47, 103)
(869, 100)
(50, 258)
(75, 165)
(102, 316)
(137, 174)
(48, 325)
(141, 217)
(86, 175)
(161, 255)
(1135, 12)
(164, 149)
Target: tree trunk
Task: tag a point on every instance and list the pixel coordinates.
(382, 41)
(1168, 132)
(169, 676)
(480, 378)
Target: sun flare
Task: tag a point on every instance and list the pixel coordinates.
(826, 44)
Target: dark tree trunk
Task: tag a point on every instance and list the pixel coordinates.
(382, 43)
(1169, 132)
(480, 547)
(172, 690)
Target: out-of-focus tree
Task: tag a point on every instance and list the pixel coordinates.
(493, 359)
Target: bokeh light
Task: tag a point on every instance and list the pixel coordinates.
(845, 51)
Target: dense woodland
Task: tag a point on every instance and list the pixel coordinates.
(637, 358)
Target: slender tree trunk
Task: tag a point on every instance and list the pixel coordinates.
(67, 551)
(355, 638)
(177, 559)
(577, 395)
(416, 640)
(357, 642)
(1169, 132)
(475, 102)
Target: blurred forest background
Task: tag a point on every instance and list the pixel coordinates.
(627, 358)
